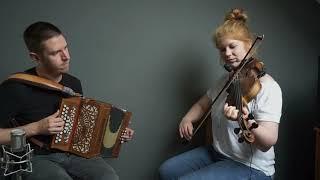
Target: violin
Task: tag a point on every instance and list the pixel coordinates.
(243, 85)
(242, 90)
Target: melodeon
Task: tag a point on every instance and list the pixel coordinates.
(91, 128)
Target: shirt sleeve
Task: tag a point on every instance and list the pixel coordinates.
(269, 102)
(10, 105)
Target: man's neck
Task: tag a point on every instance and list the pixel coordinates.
(51, 76)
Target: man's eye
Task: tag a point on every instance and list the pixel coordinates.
(54, 53)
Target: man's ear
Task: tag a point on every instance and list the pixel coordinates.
(34, 56)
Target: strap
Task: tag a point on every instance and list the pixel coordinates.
(42, 83)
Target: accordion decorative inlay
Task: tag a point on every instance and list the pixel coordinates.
(91, 127)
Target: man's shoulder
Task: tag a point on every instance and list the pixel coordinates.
(13, 88)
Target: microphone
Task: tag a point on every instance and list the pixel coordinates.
(18, 140)
(16, 157)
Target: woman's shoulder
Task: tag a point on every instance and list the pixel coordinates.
(268, 80)
(268, 83)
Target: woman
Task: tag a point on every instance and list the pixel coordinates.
(227, 158)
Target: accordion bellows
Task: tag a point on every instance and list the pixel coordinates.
(91, 127)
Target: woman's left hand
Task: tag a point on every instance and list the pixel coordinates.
(231, 112)
(126, 135)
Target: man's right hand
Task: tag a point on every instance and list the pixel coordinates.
(186, 129)
(51, 124)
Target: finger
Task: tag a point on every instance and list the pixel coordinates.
(130, 131)
(234, 114)
(180, 132)
(131, 134)
(225, 106)
(184, 133)
(56, 121)
(55, 114)
(245, 112)
(124, 139)
(55, 130)
(190, 131)
(187, 135)
(229, 111)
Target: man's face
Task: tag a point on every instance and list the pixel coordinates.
(54, 56)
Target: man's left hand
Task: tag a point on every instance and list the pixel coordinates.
(127, 135)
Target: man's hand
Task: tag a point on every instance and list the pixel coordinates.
(51, 124)
(127, 135)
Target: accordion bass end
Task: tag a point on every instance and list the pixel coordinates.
(88, 124)
(119, 120)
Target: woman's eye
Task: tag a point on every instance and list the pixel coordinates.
(222, 49)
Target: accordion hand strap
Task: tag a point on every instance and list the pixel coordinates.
(42, 83)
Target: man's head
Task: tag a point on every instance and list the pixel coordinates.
(47, 47)
(38, 32)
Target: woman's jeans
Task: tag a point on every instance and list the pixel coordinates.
(204, 163)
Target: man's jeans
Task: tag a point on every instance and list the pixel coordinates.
(59, 166)
(204, 163)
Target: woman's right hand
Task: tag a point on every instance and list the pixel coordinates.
(186, 129)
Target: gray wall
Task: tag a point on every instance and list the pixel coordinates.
(155, 58)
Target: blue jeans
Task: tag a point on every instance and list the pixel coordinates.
(205, 163)
(59, 166)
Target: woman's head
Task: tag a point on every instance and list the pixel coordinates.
(234, 27)
(233, 38)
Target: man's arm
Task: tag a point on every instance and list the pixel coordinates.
(47, 126)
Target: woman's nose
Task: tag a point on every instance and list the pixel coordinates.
(228, 52)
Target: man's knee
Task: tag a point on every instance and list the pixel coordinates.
(54, 175)
(111, 176)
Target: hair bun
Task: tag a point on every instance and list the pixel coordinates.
(236, 14)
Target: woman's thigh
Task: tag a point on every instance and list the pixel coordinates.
(226, 169)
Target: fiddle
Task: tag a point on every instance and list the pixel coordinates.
(243, 86)
(242, 90)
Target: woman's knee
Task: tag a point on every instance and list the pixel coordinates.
(167, 170)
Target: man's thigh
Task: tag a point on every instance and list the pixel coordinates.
(43, 168)
(94, 168)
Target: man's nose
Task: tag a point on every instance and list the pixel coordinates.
(65, 55)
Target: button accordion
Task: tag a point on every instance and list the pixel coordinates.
(91, 128)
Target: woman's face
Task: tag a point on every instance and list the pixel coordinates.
(232, 51)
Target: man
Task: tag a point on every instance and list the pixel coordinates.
(35, 109)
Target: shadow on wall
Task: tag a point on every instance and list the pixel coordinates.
(192, 76)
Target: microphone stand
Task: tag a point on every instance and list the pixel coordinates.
(17, 157)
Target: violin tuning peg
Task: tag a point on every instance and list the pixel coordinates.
(254, 126)
(236, 130)
(240, 139)
(250, 116)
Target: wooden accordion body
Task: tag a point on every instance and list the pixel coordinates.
(91, 128)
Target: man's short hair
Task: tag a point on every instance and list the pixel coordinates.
(38, 32)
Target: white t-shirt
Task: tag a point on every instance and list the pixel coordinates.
(266, 106)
